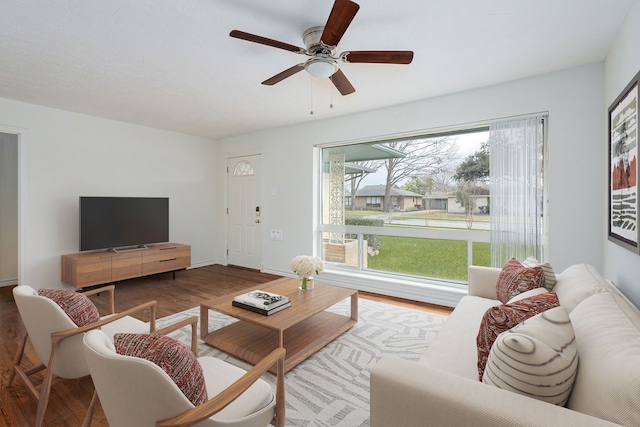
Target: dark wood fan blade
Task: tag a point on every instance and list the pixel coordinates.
(379, 56)
(283, 75)
(340, 18)
(341, 82)
(263, 40)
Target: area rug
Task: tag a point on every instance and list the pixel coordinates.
(331, 388)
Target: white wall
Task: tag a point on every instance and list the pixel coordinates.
(621, 65)
(573, 99)
(70, 155)
(8, 209)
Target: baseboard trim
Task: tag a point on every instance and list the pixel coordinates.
(8, 282)
(205, 263)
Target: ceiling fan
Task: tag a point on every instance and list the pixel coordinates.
(321, 45)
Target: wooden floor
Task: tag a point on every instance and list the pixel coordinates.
(69, 399)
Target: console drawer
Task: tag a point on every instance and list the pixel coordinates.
(167, 257)
(163, 265)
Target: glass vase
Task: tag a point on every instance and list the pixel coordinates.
(306, 283)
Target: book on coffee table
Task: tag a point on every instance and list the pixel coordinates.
(262, 300)
(262, 310)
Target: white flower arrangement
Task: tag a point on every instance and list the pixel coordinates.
(306, 265)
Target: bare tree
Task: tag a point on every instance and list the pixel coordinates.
(423, 156)
(443, 178)
(464, 196)
(472, 172)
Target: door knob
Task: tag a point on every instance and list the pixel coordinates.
(257, 221)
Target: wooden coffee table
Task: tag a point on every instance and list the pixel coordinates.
(302, 329)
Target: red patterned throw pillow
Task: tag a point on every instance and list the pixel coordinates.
(501, 318)
(172, 356)
(77, 306)
(515, 278)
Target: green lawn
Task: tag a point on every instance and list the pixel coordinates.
(445, 259)
(434, 214)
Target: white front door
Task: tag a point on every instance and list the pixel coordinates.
(243, 212)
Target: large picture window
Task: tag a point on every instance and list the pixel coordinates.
(423, 206)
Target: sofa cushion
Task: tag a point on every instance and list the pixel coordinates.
(219, 375)
(454, 349)
(577, 283)
(608, 337)
(501, 318)
(549, 274)
(515, 278)
(172, 356)
(77, 306)
(537, 358)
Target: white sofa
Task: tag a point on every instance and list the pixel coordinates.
(442, 388)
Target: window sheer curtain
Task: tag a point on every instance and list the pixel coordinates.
(516, 183)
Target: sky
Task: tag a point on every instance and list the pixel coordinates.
(467, 145)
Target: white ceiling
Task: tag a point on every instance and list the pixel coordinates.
(171, 64)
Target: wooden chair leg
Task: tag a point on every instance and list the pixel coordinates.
(280, 394)
(45, 389)
(89, 416)
(43, 401)
(18, 358)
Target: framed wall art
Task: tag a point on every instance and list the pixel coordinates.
(623, 169)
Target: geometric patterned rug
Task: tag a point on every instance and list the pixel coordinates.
(331, 388)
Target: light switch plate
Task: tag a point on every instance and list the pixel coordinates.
(276, 235)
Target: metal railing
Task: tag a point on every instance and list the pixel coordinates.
(469, 235)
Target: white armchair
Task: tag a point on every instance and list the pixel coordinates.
(57, 341)
(136, 392)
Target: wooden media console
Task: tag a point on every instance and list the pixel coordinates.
(95, 268)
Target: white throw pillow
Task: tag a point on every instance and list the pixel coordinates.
(537, 358)
(549, 274)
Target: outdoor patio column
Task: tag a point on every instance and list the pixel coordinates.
(336, 195)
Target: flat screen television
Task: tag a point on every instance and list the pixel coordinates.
(117, 222)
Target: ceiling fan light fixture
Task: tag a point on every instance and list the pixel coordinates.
(321, 67)
(321, 46)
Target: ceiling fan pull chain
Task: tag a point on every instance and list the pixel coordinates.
(311, 97)
(331, 93)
